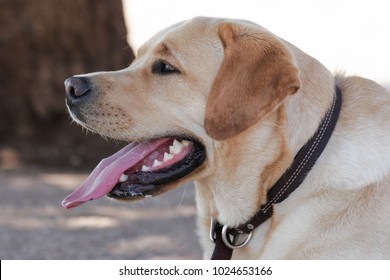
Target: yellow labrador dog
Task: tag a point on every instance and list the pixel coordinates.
(289, 161)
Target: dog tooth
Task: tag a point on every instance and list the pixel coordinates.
(186, 143)
(156, 163)
(176, 142)
(145, 168)
(123, 178)
(176, 147)
(167, 157)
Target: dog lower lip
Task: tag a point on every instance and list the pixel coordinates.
(141, 184)
(126, 191)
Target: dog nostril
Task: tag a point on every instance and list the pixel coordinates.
(76, 87)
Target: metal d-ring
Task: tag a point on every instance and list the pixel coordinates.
(228, 242)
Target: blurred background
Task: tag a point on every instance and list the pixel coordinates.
(44, 156)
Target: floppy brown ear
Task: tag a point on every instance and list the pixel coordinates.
(255, 76)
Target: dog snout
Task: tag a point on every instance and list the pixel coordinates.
(76, 87)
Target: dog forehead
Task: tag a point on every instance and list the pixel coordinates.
(183, 35)
(192, 29)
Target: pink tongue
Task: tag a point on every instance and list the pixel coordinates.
(107, 173)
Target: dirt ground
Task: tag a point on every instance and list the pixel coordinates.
(33, 224)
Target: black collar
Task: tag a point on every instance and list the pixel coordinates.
(226, 238)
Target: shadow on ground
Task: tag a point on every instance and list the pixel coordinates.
(33, 224)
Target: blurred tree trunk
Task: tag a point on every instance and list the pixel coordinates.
(42, 42)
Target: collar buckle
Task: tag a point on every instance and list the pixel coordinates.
(213, 225)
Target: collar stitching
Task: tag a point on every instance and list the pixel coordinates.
(304, 161)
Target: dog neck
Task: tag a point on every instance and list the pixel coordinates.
(225, 238)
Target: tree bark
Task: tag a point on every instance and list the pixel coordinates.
(42, 42)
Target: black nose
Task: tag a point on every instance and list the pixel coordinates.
(76, 87)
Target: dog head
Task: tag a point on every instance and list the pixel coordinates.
(194, 90)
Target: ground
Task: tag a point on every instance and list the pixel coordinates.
(33, 224)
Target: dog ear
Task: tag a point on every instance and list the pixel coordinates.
(255, 76)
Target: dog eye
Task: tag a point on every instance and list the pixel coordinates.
(163, 68)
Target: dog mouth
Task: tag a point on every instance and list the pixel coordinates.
(140, 170)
